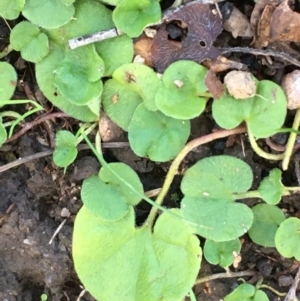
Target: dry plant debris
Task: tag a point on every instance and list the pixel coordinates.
(291, 87)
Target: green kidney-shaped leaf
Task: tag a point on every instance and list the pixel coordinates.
(78, 75)
(27, 38)
(45, 74)
(10, 9)
(106, 196)
(38, 12)
(287, 238)
(266, 221)
(178, 97)
(147, 266)
(90, 17)
(156, 136)
(271, 188)
(115, 52)
(221, 253)
(132, 16)
(119, 103)
(3, 134)
(216, 220)
(264, 113)
(246, 292)
(141, 79)
(217, 177)
(65, 149)
(8, 81)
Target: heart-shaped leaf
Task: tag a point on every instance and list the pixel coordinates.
(217, 220)
(217, 177)
(141, 79)
(119, 103)
(45, 74)
(183, 83)
(78, 75)
(271, 188)
(247, 292)
(145, 265)
(287, 238)
(10, 9)
(65, 149)
(266, 220)
(264, 113)
(8, 81)
(221, 253)
(156, 136)
(37, 12)
(106, 196)
(27, 38)
(132, 16)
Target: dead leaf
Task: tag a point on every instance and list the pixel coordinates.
(285, 24)
(263, 27)
(223, 64)
(238, 24)
(214, 85)
(142, 47)
(203, 27)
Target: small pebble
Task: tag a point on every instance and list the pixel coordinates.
(284, 280)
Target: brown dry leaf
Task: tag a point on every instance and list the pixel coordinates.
(285, 24)
(222, 64)
(291, 87)
(263, 27)
(214, 85)
(202, 27)
(238, 24)
(240, 84)
(142, 47)
(260, 17)
(109, 131)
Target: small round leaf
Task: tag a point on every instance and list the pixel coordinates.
(27, 38)
(287, 238)
(178, 97)
(132, 16)
(266, 221)
(10, 9)
(221, 253)
(119, 103)
(246, 292)
(37, 12)
(8, 81)
(271, 188)
(156, 136)
(65, 149)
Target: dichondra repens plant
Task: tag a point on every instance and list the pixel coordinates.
(160, 259)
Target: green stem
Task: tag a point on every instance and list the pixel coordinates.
(291, 142)
(246, 195)
(12, 114)
(261, 152)
(205, 95)
(20, 101)
(175, 164)
(272, 290)
(87, 130)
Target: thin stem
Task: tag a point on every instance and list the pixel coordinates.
(12, 114)
(86, 131)
(272, 290)
(291, 142)
(261, 152)
(247, 195)
(205, 95)
(175, 164)
(224, 275)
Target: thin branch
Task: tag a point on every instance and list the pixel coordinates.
(267, 52)
(224, 275)
(291, 295)
(29, 158)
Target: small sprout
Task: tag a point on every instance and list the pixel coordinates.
(291, 87)
(240, 84)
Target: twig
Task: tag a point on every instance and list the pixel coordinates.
(114, 32)
(57, 230)
(224, 275)
(267, 52)
(27, 126)
(26, 159)
(291, 295)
